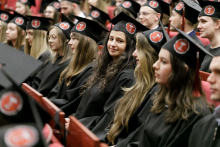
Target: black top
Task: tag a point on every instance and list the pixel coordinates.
(47, 78)
(21, 48)
(61, 94)
(207, 59)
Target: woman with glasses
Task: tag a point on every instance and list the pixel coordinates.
(57, 40)
(52, 11)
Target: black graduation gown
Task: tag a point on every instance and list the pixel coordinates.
(61, 94)
(207, 59)
(137, 118)
(45, 56)
(48, 77)
(21, 48)
(203, 133)
(197, 39)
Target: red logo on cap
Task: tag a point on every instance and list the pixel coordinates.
(154, 4)
(95, 14)
(179, 6)
(64, 26)
(130, 27)
(24, 1)
(21, 136)
(209, 10)
(56, 5)
(167, 1)
(35, 23)
(81, 26)
(4, 16)
(156, 36)
(11, 103)
(19, 21)
(126, 4)
(181, 46)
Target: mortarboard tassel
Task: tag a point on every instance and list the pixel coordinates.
(168, 29)
(197, 82)
(172, 4)
(183, 16)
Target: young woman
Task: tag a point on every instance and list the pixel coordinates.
(5, 18)
(36, 38)
(209, 27)
(16, 31)
(57, 40)
(84, 47)
(52, 11)
(23, 6)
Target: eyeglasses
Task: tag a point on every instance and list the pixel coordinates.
(49, 12)
(52, 37)
(144, 14)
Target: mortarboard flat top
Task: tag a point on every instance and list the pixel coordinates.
(17, 64)
(20, 20)
(56, 5)
(210, 8)
(159, 6)
(88, 28)
(28, 2)
(6, 16)
(131, 6)
(38, 23)
(99, 15)
(124, 23)
(73, 1)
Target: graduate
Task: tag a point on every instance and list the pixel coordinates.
(5, 18)
(23, 7)
(16, 31)
(205, 133)
(57, 39)
(52, 11)
(36, 38)
(85, 51)
(209, 27)
(151, 11)
(190, 18)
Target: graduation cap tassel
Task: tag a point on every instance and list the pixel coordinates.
(197, 83)
(168, 29)
(183, 16)
(172, 4)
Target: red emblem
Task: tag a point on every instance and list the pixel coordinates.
(126, 4)
(209, 10)
(95, 14)
(21, 136)
(154, 4)
(4, 16)
(179, 6)
(64, 26)
(19, 21)
(167, 1)
(56, 5)
(181, 46)
(81, 26)
(11, 103)
(35, 23)
(130, 27)
(24, 1)
(156, 36)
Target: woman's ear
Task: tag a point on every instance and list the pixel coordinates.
(67, 40)
(88, 38)
(217, 24)
(23, 32)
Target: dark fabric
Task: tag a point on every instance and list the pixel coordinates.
(203, 133)
(207, 59)
(47, 78)
(21, 48)
(197, 39)
(62, 95)
(45, 56)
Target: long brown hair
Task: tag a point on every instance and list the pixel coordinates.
(178, 94)
(144, 75)
(4, 26)
(85, 53)
(120, 9)
(105, 70)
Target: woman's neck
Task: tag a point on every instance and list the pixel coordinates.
(215, 40)
(115, 59)
(13, 42)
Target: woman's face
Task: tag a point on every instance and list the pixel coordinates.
(93, 2)
(29, 36)
(116, 44)
(20, 8)
(54, 40)
(163, 67)
(73, 43)
(12, 32)
(135, 55)
(49, 12)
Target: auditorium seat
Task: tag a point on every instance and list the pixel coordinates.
(204, 75)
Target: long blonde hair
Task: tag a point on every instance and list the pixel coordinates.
(27, 10)
(20, 39)
(144, 75)
(65, 49)
(39, 44)
(4, 26)
(86, 52)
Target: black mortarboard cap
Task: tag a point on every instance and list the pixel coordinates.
(179, 8)
(18, 65)
(124, 23)
(20, 20)
(131, 6)
(99, 15)
(159, 6)
(66, 25)
(38, 23)
(210, 8)
(6, 16)
(28, 2)
(56, 5)
(74, 1)
(88, 28)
